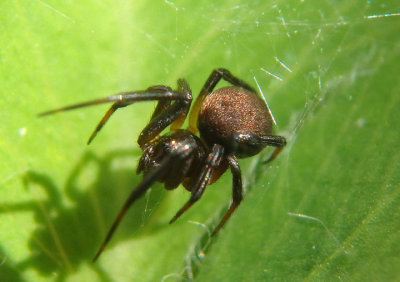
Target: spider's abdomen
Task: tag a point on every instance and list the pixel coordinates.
(230, 111)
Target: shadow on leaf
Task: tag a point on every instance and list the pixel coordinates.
(71, 224)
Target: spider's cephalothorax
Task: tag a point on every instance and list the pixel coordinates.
(188, 152)
(233, 122)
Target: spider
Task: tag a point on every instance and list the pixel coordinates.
(233, 122)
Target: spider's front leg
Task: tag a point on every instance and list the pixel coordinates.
(271, 140)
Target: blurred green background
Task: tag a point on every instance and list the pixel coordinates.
(327, 209)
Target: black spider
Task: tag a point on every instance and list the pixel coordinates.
(234, 122)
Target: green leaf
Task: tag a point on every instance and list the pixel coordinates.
(326, 209)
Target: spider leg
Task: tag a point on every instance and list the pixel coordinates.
(173, 115)
(183, 86)
(183, 98)
(274, 140)
(108, 114)
(170, 160)
(215, 76)
(271, 140)
(147, 181)
(213, 160)
(126, 97)
(275, 153)
(237, 191)
(161, 105)
(176, 156)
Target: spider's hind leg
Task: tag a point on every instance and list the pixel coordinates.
(162, 105)
(170, 160)
(164, 115)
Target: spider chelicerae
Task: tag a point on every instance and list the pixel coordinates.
(233, 122)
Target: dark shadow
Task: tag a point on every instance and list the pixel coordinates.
(8, 269)
(73, 221)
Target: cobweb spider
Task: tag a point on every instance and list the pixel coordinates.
(234, 122)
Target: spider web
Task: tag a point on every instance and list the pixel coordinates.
(290, 39)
